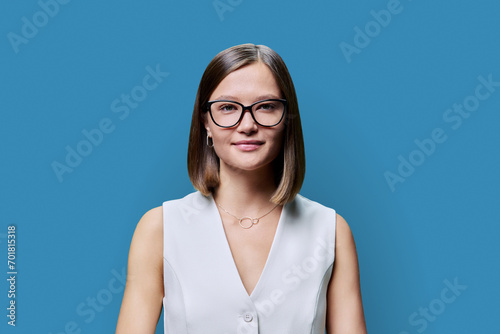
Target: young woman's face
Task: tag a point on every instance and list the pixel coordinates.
(247, 85)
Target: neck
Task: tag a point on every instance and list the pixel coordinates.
(245, 193)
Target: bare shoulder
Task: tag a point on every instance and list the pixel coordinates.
(142, 299)
(151, 222)
(345, 307)
(344, 237)
(147, 243)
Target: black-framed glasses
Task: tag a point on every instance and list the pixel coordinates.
(226, 113)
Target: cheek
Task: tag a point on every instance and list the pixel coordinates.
(281, 135)
(221, 142)
(220, 136)
(278, 141)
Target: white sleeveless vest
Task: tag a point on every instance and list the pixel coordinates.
(204, 293)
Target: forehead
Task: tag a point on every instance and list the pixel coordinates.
(248, 83)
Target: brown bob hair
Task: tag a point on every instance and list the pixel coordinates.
(203, 162)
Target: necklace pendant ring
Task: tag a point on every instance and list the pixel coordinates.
(247, 225)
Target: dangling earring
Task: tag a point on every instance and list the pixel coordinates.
(208, 143)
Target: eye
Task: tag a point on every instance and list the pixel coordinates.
(268, 106)
(227, 107)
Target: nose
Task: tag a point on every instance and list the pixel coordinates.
(247, 124)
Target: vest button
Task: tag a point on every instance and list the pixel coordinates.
(248, 317)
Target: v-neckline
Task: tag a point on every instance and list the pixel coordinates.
(230, 253)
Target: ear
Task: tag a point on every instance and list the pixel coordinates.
(209, 133)
(205, 124)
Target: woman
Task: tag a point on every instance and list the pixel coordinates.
(245, 253)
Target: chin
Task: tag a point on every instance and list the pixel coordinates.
(250, 166)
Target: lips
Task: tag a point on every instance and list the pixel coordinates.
(248, 142)
(248, 145)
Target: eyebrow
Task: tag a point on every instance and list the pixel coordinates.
(259, 98)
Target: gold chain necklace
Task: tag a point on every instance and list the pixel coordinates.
(253, 221)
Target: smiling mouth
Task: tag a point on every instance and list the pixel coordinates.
(248, 146)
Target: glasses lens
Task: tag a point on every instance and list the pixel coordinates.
(225, 113)
(268, 112)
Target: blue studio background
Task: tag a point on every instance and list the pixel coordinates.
(400, 106)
